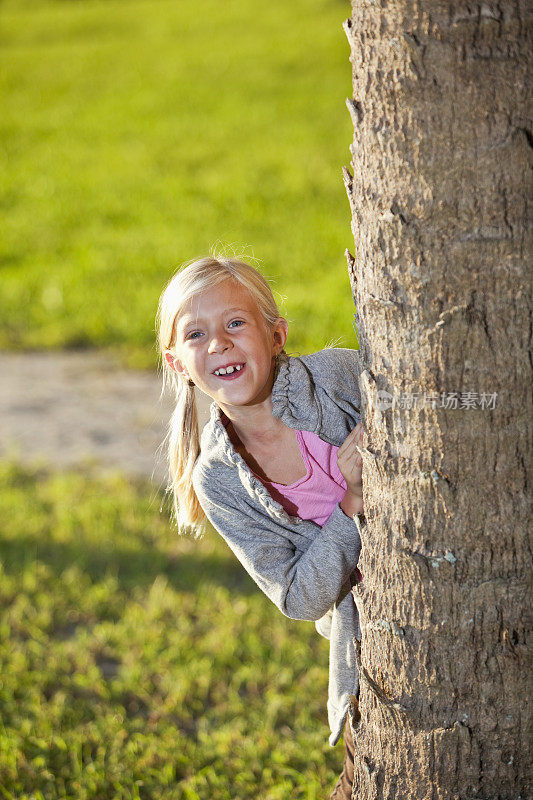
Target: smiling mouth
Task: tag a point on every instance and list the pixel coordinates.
(231, 372)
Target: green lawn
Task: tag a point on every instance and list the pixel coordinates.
(138, 664)
(137, 133)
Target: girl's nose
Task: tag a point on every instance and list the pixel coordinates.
(218, 344)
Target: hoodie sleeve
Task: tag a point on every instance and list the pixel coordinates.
(335, 372)
(322, 390)
(302, 583)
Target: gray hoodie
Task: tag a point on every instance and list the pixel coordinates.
(303, 568)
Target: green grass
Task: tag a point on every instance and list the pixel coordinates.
(134, 135)
(138, 664)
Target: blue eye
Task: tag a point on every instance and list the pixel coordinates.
(237, 322)
(193, 334)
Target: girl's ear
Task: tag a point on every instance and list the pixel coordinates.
(174, 363)
(281, 330)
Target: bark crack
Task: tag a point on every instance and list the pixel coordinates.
(529, 136)
(395, 209)
(474, 315)
(382, 301)
(390, 704)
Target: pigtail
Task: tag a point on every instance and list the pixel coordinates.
(183, 450)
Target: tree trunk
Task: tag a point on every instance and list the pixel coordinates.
(442, 172)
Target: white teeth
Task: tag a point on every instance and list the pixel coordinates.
(228, 370)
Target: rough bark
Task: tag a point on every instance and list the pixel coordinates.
(442, 159)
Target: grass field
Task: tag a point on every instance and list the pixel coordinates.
(137, 133)
(138, 664)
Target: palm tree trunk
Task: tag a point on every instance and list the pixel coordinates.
(442, 157)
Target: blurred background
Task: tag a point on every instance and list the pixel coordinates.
(136, 135)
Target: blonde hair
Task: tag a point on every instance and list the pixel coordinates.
(183, 436)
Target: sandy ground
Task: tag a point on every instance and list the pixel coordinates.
(68, 408)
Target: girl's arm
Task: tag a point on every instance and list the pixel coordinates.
(302, 582)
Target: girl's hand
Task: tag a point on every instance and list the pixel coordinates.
(349, 458)
(350, 463)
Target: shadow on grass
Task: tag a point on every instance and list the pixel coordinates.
(184, 572)
(62, 519)
(126, 538)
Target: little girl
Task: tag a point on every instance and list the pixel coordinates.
(278, 469)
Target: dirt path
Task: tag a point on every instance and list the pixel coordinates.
(67, 408)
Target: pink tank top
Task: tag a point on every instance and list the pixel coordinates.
(323, 486)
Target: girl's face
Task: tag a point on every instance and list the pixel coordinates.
(223, 328)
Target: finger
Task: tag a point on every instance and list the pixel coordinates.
(352, 436)
(356, 438)
(361, 438)
(347, 450)
(350, 454)
(350, 464)
(350, 448)
(361, 435)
